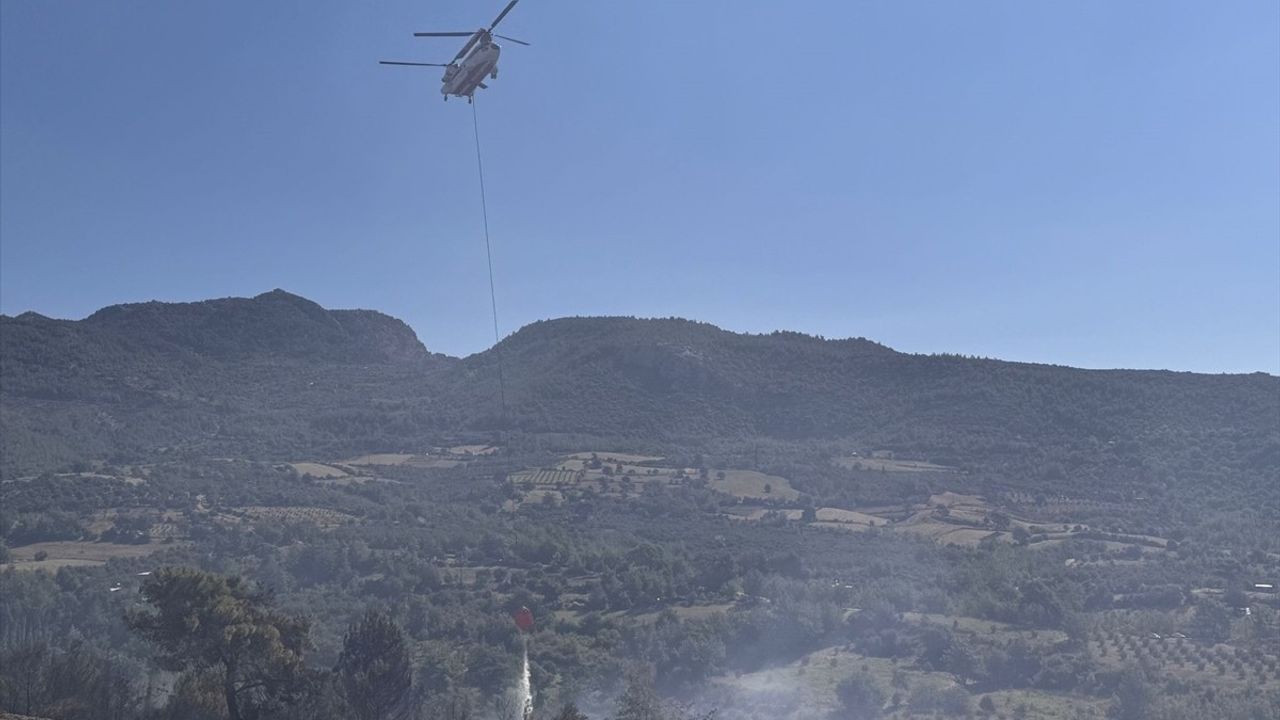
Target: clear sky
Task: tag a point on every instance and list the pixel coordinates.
(1091, 183)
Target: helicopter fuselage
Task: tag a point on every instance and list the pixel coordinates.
(466, 72)
(463, 78)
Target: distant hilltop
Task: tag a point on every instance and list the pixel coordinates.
(278, 375)
(273, 323)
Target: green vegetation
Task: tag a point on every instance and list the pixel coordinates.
(205, 622)
(374, 670)
(860, 697)
(260, 508)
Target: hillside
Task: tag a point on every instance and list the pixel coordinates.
(235, 376)
(751, 519)
(677, 378)
(278, 376)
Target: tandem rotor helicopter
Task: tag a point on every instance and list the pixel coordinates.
(477, 59)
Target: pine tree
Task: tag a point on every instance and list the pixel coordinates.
(374, 670)
(207, 621)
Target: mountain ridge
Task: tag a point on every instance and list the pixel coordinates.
(279, 376)
(347, 317)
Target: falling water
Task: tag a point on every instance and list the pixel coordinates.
(524, 691)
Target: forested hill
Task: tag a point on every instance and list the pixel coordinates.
(274, 324)
(236, 376)
(680, 378)
(277, 376)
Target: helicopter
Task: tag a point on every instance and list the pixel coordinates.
(477, 59)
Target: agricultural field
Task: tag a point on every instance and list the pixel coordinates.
(610, 474)
(752, 485)
(547, 476)
(50, 556)
(132, 475)
(1177, 657)
(621, 474)
(472, 450)
(405, 460)
(320, 470)
(615, 458)
(747, 512)
(946, 517)
(890, 465)
(381, 459)
(851, 517)
(945, 534)
(323, 518)
(950, 518)
(159, 526)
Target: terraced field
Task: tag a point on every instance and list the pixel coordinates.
(546, 476)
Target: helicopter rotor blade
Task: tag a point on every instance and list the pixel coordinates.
(444, 34)
(466, 48)
(504, 37)
(503, 14)
(397, 62)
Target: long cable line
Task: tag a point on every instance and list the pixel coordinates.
(488, 251)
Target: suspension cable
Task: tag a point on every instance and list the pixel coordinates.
(488, 251)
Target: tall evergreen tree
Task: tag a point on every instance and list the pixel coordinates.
(201, 620)
(374, 670)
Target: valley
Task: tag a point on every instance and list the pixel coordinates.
(1102, 543)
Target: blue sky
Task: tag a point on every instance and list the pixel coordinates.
(1087, 183)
